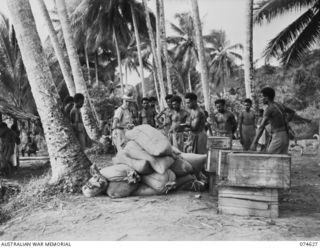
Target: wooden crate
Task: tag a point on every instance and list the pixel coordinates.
(217, 142)
(259, 170)
(222, 161)
(248, 201)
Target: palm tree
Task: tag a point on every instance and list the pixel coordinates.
(97, 21)
(156, 61)
(159, 46)
(70, 166)
(165, 45)
(13, 80)
(184, 52)
(292, 43)
(201, 52)
(223, 57)
(39, 6)
(248, 51)
(87, 113)
(136, 33)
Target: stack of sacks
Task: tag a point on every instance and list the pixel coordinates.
(149, 165)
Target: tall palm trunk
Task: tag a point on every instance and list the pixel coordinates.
(69, 164)
(126, 73)
(88, 65)
(189, 81)
(155, 81)
(96, 66)
(136, 33)
(119, 60)
(88, 117)
(155, 57)
(248, 50)
(201, 52)
(165, 46)
(41, 8)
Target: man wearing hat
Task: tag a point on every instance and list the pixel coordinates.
(122, 121)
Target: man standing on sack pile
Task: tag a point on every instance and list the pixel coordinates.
(196, 125)
(122, 121)
(278, 116)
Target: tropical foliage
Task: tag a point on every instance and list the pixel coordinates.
(292, 43)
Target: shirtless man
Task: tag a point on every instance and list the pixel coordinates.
(76, 120)
(278, 116)
(153, 110)
(178, 116)
(224, 121)
(197, 140)
(247, 125)
(165, 115)
(122, 121)
(146, 115)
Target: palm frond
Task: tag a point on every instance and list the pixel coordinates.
(307, 38)
(289, 34)
(271, 9)
(177, 29)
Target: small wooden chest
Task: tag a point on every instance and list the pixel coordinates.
(217, 142)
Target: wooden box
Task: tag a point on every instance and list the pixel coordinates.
(259, 170)
(212, 160)
(217, 142)
(248, 201)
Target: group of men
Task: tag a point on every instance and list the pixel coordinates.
(187, 127)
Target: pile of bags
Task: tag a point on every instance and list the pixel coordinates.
(148, 165)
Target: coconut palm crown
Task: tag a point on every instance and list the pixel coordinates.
(292, 43)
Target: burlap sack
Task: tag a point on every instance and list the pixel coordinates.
(139, 165)
(95, 186)
(144, 190)
(150, 139)
(133, 150)
(161, 183)
(119, 173)
(198, 161)
(162, 164)
(181, 167)
(121, 189)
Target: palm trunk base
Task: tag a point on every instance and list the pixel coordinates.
(71, 180)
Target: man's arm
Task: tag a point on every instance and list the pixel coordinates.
(289, 113)
(259, 133)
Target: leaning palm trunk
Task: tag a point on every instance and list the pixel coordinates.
(88, 117)
(202, 60)
(40, 7)
(70, 166)
(136, 33)
(165, 45)
(155, 57)
(119, 60)
(248, 52)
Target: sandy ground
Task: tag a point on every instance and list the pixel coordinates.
(177, 216)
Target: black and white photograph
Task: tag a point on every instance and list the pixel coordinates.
(159, 120)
